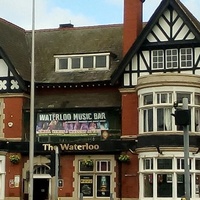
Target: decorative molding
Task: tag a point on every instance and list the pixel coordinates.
(127, 90)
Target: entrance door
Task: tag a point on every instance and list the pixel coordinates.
(40, 189)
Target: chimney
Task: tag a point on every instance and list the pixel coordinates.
(132, 22)
(66, 25)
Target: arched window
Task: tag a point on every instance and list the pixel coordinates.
(41, 169)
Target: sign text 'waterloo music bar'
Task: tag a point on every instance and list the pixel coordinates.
(71, 124)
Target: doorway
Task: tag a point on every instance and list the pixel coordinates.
(41, 189)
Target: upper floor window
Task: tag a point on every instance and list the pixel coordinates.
(82, 62)
(158, 59)
(186, 57)
(172, 58)
(156, 108)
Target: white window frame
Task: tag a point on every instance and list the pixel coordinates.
(2, 177)
(170, 62)
(174, 172)
(95, 173)
(81, 56)
(186, 55)
(158, 59)
(193, 105)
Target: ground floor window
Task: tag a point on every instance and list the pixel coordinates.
(95, 176)
(163, 176)
(99, 183)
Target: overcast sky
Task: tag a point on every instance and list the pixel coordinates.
(51, 13)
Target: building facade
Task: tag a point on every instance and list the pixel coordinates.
(104, 96)
(159, 69)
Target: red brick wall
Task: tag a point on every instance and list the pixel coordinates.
(130, 178)
(129, 114)
(11, 171)
(129, 172)
(13, 113)
(67, 170)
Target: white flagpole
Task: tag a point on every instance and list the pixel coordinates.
(31, 142)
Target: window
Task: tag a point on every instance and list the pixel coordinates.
(158, 59)
(162, 112)
(165, 179)
(156, 109)
(82, 62)
(100, 61)
(95, 181)
(75, 62)
(172, 58)
(186, 57)
(2, 177)
(197, 112)
(88, 62)
(148, 163)
(41, 169)
(63, 63)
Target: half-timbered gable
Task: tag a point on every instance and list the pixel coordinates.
(160, 68)
(170, 42)
(10, 81)
(14, 58)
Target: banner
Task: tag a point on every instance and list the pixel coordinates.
(71, 124)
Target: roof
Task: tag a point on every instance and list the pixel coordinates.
(66, 41)
(187, 16)
(14, 48)
(15, 43)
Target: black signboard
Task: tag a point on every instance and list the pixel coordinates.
(86, 185)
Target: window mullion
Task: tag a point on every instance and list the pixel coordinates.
(155, 118)
(81, 62)
(70, 63)
(107, 61)
(94, 62)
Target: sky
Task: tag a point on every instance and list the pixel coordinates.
(51, 13)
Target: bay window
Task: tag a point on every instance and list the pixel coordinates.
(156, 109)
(164, 177)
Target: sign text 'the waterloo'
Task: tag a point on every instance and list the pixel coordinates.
(72, 147)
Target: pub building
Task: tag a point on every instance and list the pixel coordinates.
(104, 99)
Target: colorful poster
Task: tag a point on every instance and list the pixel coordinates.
(71, 124)
(86, 185)
(103, 186)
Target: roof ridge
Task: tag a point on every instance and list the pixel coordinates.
(190, 15)
(11, 24)
(77, 28)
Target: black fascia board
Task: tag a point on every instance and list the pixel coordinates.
(92, 147)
